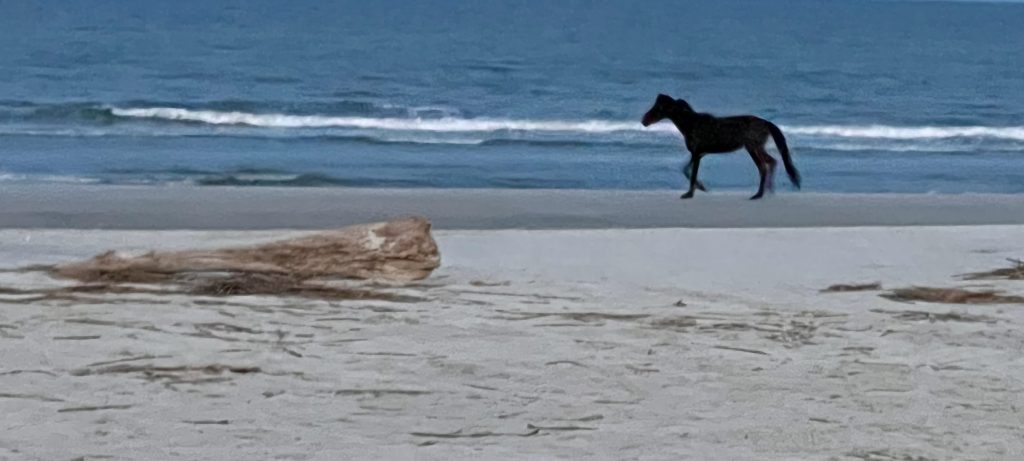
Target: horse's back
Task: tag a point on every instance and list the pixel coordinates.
(726, 134)
(745, 121)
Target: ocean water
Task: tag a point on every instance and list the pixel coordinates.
(873, 96)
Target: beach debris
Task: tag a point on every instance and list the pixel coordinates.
(595, 417)
(676, 323)
(936, 316)
(560, 428)
(316, 266)
(18, 372)
(156, 370)
(585, 317)
(795, 333)
(39, 397)
(886, 455)
(203, 285)
(643, 369)
(377, 393)
(565, 362)
(400, 250)
(128, 359)
(951, 296)
(172, 375)
(94, 408)
(459, 434)
(1015, 272)
(741, 349)
(843, 288)
(534, 296)
(286, 285)
(482, 283)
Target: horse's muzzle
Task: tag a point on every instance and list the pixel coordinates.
(649, 119)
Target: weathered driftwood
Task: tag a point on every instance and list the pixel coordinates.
(401, 250)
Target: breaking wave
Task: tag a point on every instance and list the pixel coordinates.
(360, 121)
(449, 124)
(1013, 133)
(443, 125)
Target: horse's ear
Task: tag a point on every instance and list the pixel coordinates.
(684, 104)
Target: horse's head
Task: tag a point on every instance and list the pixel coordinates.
(664, 106)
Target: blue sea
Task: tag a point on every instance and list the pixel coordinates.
(876, 97)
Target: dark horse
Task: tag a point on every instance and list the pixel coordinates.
(707, 134)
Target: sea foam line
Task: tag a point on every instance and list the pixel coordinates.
(447, 124)
(1015, 133)
(479, 125)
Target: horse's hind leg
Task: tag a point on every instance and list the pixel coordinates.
(762, 170)
(770, 163)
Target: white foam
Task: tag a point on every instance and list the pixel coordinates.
(14, 177)
(431, 140)
(1015, 133)
(443, 125)
(453, 124)
(897, 147)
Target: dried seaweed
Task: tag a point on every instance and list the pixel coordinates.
(741, 349)
(936, 316)
(951, 296)
(1015, 272)
(459, 434)
(379, 392)
(94, 408)
(844, 288)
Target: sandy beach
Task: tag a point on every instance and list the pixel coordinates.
(331, 231)
(547, 343)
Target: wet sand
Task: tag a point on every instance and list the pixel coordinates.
(187, 207)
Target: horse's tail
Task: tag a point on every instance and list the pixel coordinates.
(780, 143)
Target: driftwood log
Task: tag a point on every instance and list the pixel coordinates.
(400, 250)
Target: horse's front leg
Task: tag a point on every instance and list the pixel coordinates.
(688, 173)
(695, 160)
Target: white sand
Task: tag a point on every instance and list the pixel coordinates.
(575, 332)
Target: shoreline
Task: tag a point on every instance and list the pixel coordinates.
(267, 208)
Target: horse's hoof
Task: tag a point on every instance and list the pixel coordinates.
(757, 196)
(686, 195)
(700, 187)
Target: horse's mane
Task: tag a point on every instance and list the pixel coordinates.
(682, 104)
